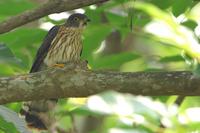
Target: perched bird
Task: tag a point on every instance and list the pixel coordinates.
(63, 43)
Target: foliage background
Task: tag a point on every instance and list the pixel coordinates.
(124, 35)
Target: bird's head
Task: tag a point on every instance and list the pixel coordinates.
(77, 20)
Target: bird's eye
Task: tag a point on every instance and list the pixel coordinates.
(76, 19)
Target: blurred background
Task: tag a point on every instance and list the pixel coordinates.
(126, 36)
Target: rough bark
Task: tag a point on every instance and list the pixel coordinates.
(53, 6)
(73, 81)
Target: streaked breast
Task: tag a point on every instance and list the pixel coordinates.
(66, 46)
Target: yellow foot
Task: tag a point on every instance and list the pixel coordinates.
(59, 65)
(24, 77)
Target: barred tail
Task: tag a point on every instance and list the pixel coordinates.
(34, 112)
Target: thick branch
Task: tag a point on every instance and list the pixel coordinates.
(73, 81)
(53, 6)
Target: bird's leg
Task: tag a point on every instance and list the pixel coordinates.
(84, 62)
(81, 64)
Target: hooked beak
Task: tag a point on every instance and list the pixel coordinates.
(86, 21)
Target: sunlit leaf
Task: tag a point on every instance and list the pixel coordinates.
(121, 130)
(15, 106)
(12, 117)
(6, 70)
(166, 29)
(7, 127)
(190, 102)
(123, 105)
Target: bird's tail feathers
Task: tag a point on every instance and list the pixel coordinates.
(32, 119)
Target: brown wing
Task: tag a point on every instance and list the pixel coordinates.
(43, 50)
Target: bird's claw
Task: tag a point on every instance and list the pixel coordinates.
(59, 65)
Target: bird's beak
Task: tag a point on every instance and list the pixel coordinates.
(86, 21)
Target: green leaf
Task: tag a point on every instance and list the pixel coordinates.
(7, 127)
(113, 61)
(180, 6)
(23, 43)
(13, 7)
(93, 36)
(116, 20)
(23, 37)
(161, 98)
(193, 126)
(173, 58)
(163, 4)
(94, 15)
(15, 106)
(109, 5)
(190, 24)
(5, 51)
(190, 101)
(6, 70)
(12, 117)
(7, 57)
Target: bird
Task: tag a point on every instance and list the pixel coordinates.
(62, 44)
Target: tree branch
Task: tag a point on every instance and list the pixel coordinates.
(53, 6)
(73, 81)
